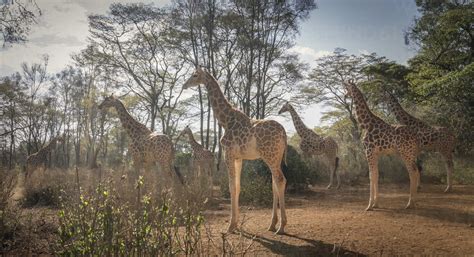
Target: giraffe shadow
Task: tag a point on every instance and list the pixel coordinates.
(311, 248)
(434, 212)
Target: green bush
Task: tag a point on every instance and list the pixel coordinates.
(256, 179)
(104, 223)
(298, 174)
(45, 188)
(255, 189)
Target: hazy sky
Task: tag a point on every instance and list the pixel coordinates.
(357, 25)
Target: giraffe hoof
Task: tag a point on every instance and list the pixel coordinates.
(281, 231)
(231, 228)
(329, 187)
(272, 228)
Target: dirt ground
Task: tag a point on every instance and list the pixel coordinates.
(329, 222)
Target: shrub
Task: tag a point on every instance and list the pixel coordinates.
(298, 173)
(9, 215)
(256, 179)
(104, 222)
(45, 188)
(255, 189)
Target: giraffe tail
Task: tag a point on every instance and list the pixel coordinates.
(336, 164)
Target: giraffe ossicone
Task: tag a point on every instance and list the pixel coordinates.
(246, 139)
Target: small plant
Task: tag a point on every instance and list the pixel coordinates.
(103, 222)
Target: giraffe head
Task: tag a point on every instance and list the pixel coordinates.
(285, 108)
(108, 102)
(61, 138)
(198, 78)
(184, 131)
(350, 87)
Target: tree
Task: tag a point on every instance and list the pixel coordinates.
(129, 39)
(16, 18)
(442, 69)
(327, 79)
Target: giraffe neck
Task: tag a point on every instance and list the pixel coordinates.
(132, 126)
(50, 146)
(401, 115)
(364, 115)
(194, 144)
(223, 110)
(300, 127)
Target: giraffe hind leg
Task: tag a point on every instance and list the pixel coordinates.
(413, 174)
(274, 221)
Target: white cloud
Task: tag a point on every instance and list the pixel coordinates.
(363, 51)
(308, 54)
(305, 51)
(61, 31)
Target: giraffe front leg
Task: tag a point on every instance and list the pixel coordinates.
(373, 172)
(449, 173)
(234, 168)
(413, 174)
(332, 170)
(338, 175)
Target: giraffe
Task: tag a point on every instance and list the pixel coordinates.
(246, 139)
(313, 144)
(382, 138)
(203, 159)
(147, 147)
(437, 139)
(40, 158)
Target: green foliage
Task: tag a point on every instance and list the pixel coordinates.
(256, 180)
(255, 189)
(104, 223)
(442, 70)
(464, 171)
(46, 188)
(298, 173)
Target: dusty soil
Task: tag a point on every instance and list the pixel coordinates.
(324, 223)
(329, 222)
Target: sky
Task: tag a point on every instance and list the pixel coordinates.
(360, 26)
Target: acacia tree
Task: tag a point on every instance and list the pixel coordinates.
(327, 79)
(443, 67)
(129, 40)
(267, 70)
